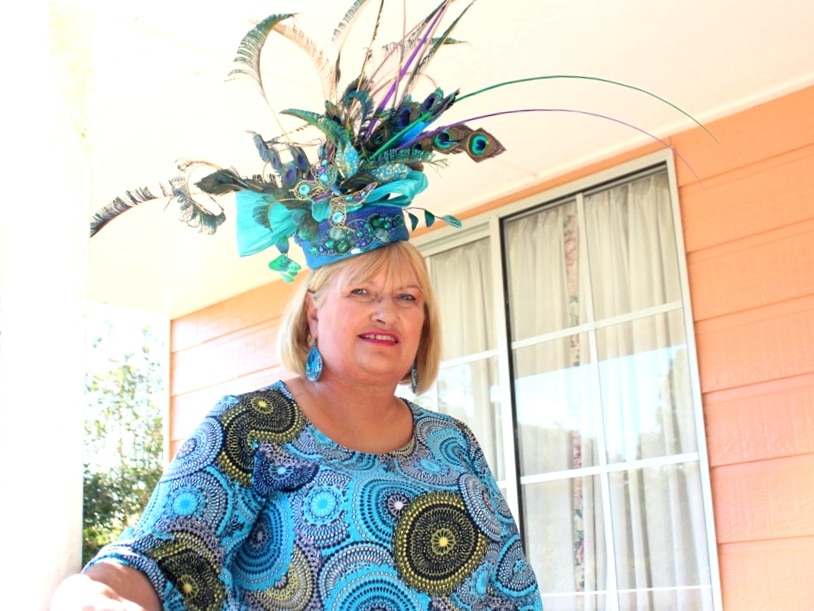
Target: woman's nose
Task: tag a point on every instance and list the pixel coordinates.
(384, 309)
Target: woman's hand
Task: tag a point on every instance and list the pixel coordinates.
(106, 587)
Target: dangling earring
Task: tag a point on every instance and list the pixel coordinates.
(313, 364)
(414, 377)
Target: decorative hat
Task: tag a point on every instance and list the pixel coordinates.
(374, 141)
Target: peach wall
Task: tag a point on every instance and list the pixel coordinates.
(749, 236)
(748, 214)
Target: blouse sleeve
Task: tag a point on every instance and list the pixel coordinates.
(199, 514)
(514, 578)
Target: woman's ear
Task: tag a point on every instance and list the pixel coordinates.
(311, 314)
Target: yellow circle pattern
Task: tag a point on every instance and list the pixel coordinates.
(436, 543)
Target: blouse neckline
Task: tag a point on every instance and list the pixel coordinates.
(324, 439)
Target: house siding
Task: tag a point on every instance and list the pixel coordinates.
(747, 205)
(749, 238)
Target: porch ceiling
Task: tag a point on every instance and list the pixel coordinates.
(158, 93)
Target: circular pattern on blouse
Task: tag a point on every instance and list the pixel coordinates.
(443, 604)
(266, 550)
(514, 574)
(475, 590)
(372, 591)
(377, 503)
(425, 469)
(326, 447)
(322, 505)
(436, 543)
(446, 444)
(274, 471)
(322, 510)
(202, 496)
(504, 513)
(263, 416)
(188, 566)
(187, 501)
(198, 451)
(292, 591)
(347, 560)
(479, 504)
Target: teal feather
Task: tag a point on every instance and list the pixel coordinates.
(228, 181)
(436, 44)
(335, 132)
(345, 24)
(452, 221)
(121, 204)
(590, 78)
(247, 60)
(481, 145)
(407, 156)
(362, 105)
(344, 28)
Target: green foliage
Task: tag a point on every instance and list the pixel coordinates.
(123, 437)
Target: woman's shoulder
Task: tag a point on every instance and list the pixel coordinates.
(267, 414)
(428, 418)
(240, 424)
(263, 398)
(276, 389)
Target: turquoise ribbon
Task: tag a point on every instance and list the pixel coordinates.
(254, 237)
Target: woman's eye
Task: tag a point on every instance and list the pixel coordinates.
(362, 294)
(407, 297)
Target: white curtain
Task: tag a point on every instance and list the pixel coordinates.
(603, 395)
(463, 282)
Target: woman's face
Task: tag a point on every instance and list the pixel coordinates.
(368, 331)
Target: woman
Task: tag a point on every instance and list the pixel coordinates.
(326, 491)
(330, 492)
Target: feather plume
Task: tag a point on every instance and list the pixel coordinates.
(128, 200)
(247, 59)
(326, 66)
(177, 191)
(435, 44)
(344, 28)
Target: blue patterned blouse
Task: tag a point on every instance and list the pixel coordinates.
(260, 510)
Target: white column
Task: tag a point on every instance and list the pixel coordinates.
(43, 241)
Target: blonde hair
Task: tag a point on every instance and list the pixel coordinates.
(398, 258)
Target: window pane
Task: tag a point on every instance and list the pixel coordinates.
(660, 538)
(543, 272)
(462, 279)
(632, 247)
(645, 388)
(565, 534)
(697, 599)
(556, 405)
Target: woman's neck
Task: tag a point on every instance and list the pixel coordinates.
(366, 419)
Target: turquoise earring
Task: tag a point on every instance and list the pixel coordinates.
(313, 364)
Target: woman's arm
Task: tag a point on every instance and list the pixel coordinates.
(106, 586)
